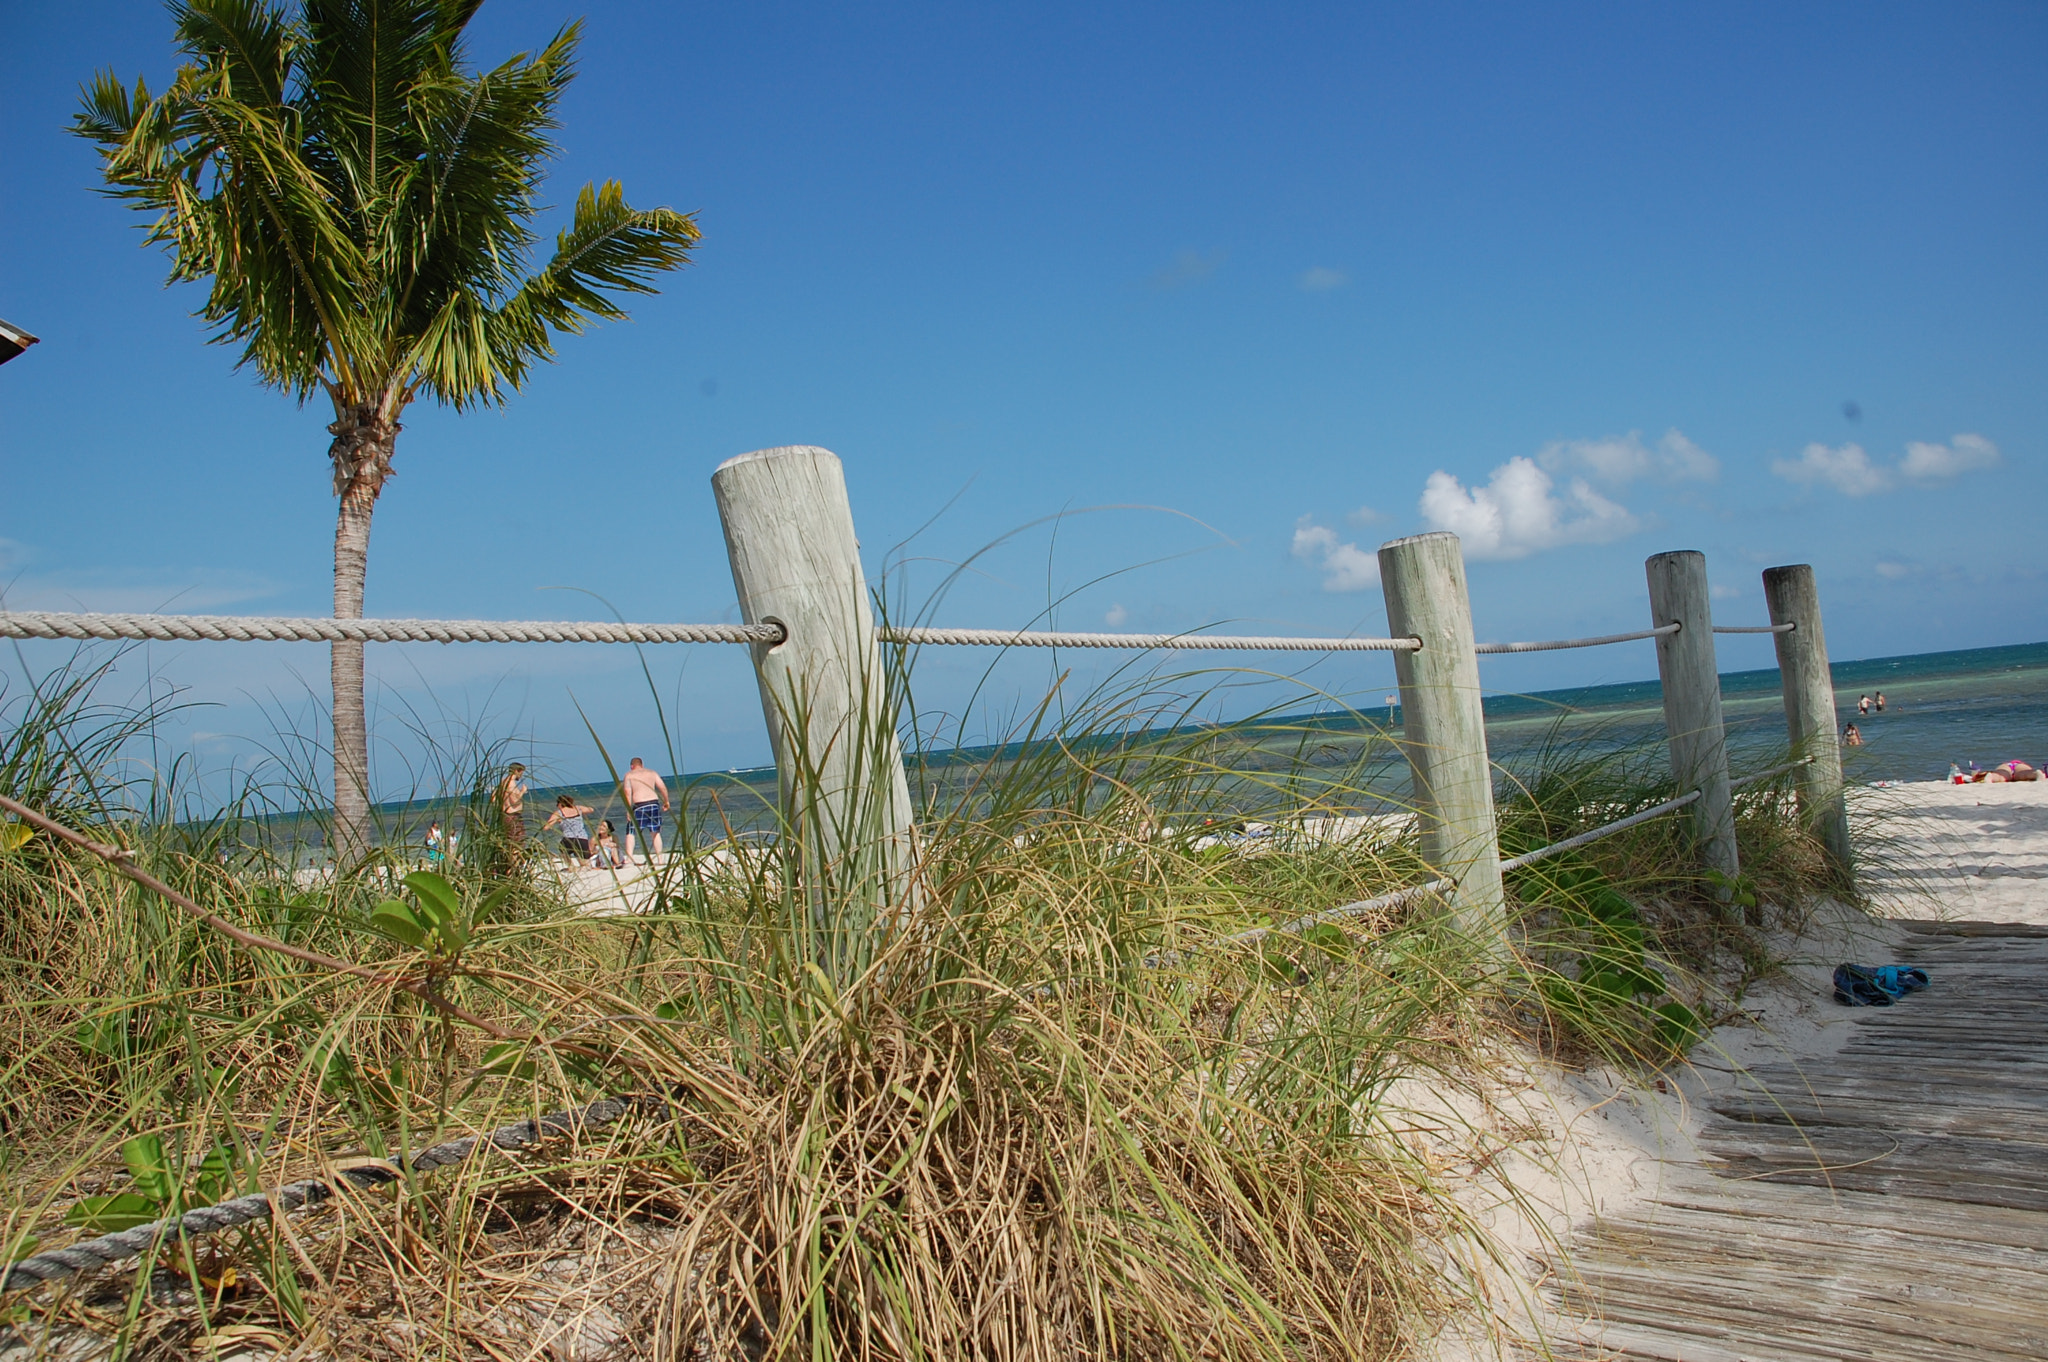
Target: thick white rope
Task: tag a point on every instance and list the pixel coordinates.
(92, 1254)
(321, 629)
(57, 624)
(1043, 638)
(1552, 644)
(1623, 824)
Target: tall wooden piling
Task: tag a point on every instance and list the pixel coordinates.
(1692, 704)
(831, 720)
(1810, 719)
(1442, 725)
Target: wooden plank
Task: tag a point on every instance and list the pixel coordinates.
(1902, 1210)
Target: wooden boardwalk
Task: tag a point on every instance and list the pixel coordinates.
(1888, 1202)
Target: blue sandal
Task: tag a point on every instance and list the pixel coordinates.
(1876, 985)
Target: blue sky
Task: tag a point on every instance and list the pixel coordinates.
(1583, 283)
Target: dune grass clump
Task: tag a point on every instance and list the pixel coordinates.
(1628, 940)
(995, 1129)
(1023, 1100)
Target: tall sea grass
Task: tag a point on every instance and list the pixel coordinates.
(991, 1122)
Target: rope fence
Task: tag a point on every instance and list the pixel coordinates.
(54, 624)
(322, 629)
(1551, 645)
(108, 1249)
(1529, 858)
(920, 635)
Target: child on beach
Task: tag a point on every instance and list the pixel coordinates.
(575, 832)
(607, 855)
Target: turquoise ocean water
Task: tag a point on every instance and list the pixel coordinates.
(1985, 705)
(1982, 705)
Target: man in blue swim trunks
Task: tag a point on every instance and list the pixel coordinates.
(647, 794)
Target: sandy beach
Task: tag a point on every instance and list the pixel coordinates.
(1957, 852)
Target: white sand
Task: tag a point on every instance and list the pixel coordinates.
(1957, 852)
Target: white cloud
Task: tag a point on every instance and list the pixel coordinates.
(1116, 616)
(1322, 279)
(1891, 572)
(1345, 566)
(1724, 591)
(1935, 463)
(1848, 470)
(1620, 459)
(1366, 515)
(1189, 267)
(1517, 512)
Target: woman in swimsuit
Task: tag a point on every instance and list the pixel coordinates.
(575, 832)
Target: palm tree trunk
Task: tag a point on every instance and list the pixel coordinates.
(364, 438)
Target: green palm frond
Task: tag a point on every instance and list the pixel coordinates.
(361, 204)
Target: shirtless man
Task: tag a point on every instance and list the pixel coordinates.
(647, 794)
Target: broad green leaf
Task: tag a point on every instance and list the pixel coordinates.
(439, 902)
(103, 1036)
(23, 1247)
(14, 836)
(504, 1060)
(1677, 1027)
(151, 1168)
(331, 1065)
(585, 1069)
(492, 903)
(396, 920)
(110, 1214)
(1608, 986)
(1328, 938)
(215, 1180)
(668, 1011)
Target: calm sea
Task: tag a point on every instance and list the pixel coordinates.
(1983, 705)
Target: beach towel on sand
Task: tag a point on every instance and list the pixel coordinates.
(1876, 985)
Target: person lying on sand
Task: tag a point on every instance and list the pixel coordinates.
(2008, 771)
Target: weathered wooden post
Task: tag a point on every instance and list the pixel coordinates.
(1794, 599)
(1692, 704)
(831, 719)
(1443, 729)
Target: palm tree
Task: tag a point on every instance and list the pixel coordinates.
(361, 202)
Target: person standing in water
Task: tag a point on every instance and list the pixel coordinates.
(647, 795)
(1852, 737)
(1880, 702)
(1863, 704)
